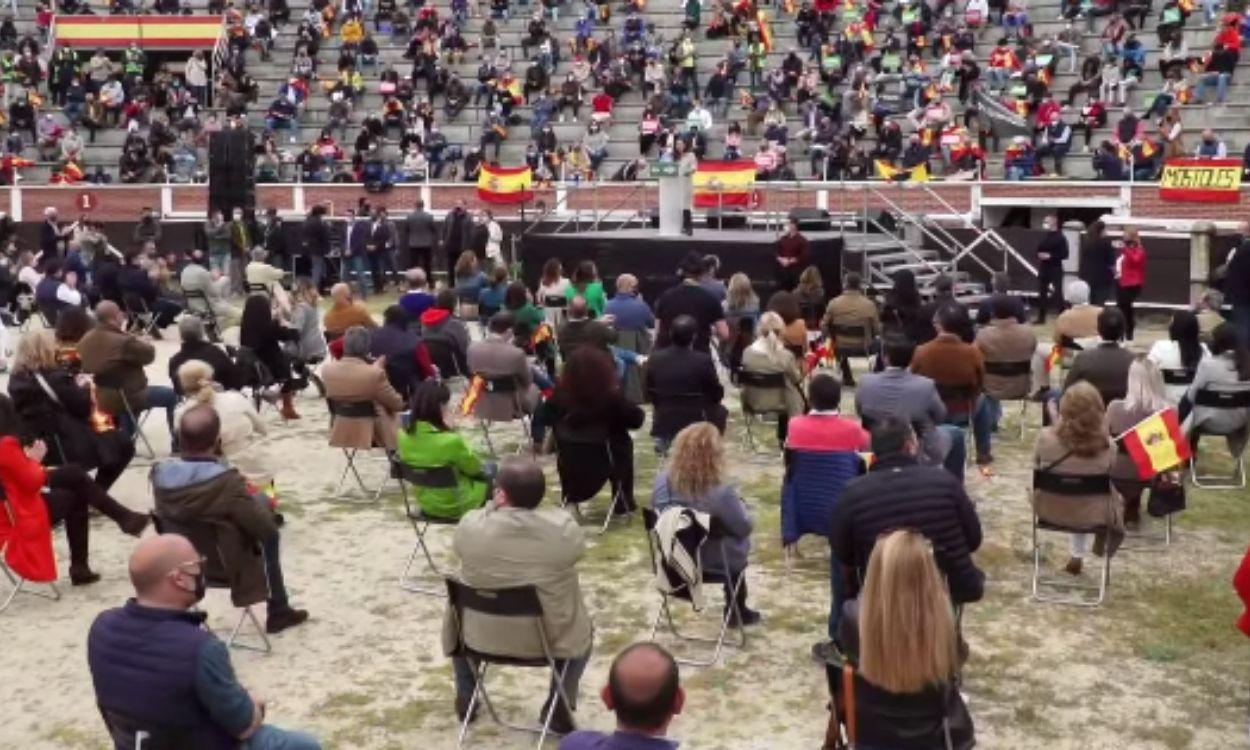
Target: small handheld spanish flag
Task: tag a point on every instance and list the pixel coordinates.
(1054, 358)
(1156, 444)
(541, 335)
(471, 395)
(822, 356)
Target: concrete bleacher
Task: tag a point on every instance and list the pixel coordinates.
(1229, 120)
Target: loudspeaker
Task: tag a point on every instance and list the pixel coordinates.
(729, 218)
(231, 171)
(812, 219)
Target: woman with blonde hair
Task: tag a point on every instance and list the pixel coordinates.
(811, 295)
(1145, 395)
(908, 657)
(694, 478)
(241, 425)
(768, 355)
(741, 301)
(1078, 444)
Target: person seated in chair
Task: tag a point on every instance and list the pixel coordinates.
(354, 379)
(957, 369)
(1004, 340)
(345, 312)
(823, 428)
(768, 355)
(241, 425)
(259, 272)
(1104, 366)
(682, 384)
(898, 392)
(137, 285)
(644, 692)
(196, 277)
(440, 323)
(407, 360)
(695, 479)
(851, 308)
(265, 336)
(195, 345)
(581, 329)
(108, 351)
(57, 290)
(154, 663)
(592, 420)
(509, 542)
(427, 441)
(417, 299)
(1227, 369)
(900, 492)
(498, 357)
(198, 487)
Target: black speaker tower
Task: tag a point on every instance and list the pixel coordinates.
(231, 171)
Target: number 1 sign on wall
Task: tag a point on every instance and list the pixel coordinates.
(86, 201)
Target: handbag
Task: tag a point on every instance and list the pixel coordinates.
(1167, 495)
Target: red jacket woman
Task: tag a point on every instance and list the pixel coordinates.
(25, 532)
(1131, 277)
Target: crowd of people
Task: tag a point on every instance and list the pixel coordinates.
(582, 369)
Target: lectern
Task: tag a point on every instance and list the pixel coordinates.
(676, 194)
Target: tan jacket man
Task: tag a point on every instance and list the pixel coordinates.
(119, 356)
(352, 379)
(1005, 340)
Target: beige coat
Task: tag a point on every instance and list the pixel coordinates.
(851, 308)
(497, 358)
(502, 547)
(757, 359)
(116, 354)
(352, 379)
(1075, 511)
(241, 429)
(1006, 340)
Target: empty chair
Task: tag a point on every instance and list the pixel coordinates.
(431, 479)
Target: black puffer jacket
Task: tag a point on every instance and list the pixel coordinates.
(901, 494)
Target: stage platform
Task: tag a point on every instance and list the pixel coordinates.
(654, 259)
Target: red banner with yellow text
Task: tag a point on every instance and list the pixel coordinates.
(1201, 180)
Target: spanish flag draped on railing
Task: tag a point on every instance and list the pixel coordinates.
(725, 183)
(887, 171)
(504, 185)
(1156, 444)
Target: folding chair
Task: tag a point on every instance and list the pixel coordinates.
(353, 410)
(451, 363)
(497, 394)
(560, 304)
(859, 332)
(601, 441)
(519, 603)
(810, 489)
(1013, 370)
(16, 581)
(1141, 542)
(138, 314)
(129, 733)
(757, 388)
(716, 536)
(1074, 486)
(259, 378)
(432, 477)
(1221, 399)
(112, 381)
(198, 304)
(203, 536)
(638, 342)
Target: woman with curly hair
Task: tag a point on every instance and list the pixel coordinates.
(1078, 444)
(694, 478)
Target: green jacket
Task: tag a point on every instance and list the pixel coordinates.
(595, 298)
(426, 447)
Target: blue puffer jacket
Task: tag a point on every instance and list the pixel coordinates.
(813, 484)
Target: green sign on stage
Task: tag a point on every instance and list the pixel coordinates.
(663, 169)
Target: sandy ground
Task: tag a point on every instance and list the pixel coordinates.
(1159, 666)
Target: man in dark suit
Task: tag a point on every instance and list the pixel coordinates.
(682, 384)
(273, 239)
(421, 239)
(355, 237)
(1105, 366)
(1237, 282)
(51, 234)
(379, 246)
(196, 346)
(457, 228)
(1051, 253)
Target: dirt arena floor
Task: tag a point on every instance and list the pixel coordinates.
(1160, 665)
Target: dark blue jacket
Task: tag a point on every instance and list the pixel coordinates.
(144, 664)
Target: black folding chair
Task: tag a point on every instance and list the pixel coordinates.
(16, 581)
(716, 537)
(1223, 399)
(198, 304)
(113, 381)
(203, 536)
(353, 410)
(258, 377)
(1073, 486)
(560, 304)
(506, 386)
(601, 441)
(432, 477)
(751, 384)
(129, 733)
(139, 316)
(451, 363)
(520, 603)
(1012, 370)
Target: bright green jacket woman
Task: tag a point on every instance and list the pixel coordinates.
(424, 446)
(595, 298)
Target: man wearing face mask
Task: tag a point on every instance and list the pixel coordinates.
(1051, 253)
(200, 487)
(153, 663)
(149, 228)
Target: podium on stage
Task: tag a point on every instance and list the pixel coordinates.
(676, 196)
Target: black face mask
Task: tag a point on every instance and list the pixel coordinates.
(201, 587)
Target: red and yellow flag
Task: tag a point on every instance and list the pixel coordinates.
(1054, 358)
(541, 335)
(887, 171)
(1156, 443)
(471, 395)
(725, 183)
(504, 185)
(766, 31)
(822, 356)
(148, 32)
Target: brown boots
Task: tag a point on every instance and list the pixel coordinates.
(288, 406)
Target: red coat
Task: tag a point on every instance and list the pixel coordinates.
(27, 540)
(1132, 265)
(1241, 584)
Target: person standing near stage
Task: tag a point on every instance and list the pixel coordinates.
(793, 255)
(1130, 272)
(421, 239)
(1237, 282)
(1097, 263)
(687, 165)
(1051, 253)
(689, 298)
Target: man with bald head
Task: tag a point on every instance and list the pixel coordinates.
(644, 691)
(117, 359)
(154, 665)
(581, 330)
(199, 487)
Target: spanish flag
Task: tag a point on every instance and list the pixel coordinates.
(541, 335)
(471, 395)
(822, 356)
(897, 174)
(504, 185)
(1156, 443)
(149, 32)
(1054, 358)
(724, 183)
(766, 31)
